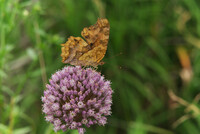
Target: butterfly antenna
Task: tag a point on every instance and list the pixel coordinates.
(115, 56)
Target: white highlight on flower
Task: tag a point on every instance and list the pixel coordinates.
(91, 112)
(56, 128)
(55, 78)
(80, 104)
(79, 73)
(98, 116)
(91, 81)
(73, 125)
(46, 109)
(63, 127)
(102, 110)
(102, 122)
(47, 92)
(72, 82)
(84, 121)
(55, 106)
(51, 98)
(70, 70)
(81, 130)
(63, 72)
(91, 74)
(49, 118)
(102, 78)
(65, 81)
(57, 122)
(43, 99)
(67, 106)
(57, 87)
(63, 89)
(108, 101)
(72, 114)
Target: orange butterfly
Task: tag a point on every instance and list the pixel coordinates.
(88, 52)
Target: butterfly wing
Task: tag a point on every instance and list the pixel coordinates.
(97, 37)
(73, 49)
(98, 33)
(94, 56)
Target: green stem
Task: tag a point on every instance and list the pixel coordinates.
(41, 57)
(11, 122)
(2, 49)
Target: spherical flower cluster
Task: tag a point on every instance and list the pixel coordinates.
(77, 98)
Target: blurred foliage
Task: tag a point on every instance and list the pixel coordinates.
(153, 61)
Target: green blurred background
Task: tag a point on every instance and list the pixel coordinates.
(153, 61)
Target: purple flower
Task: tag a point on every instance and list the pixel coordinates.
(77, 98)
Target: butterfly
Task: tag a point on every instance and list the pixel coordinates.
(88, 52)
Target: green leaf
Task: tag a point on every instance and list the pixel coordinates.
(24, 130)
(3, 129)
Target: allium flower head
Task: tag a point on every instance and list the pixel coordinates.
(77, 98)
